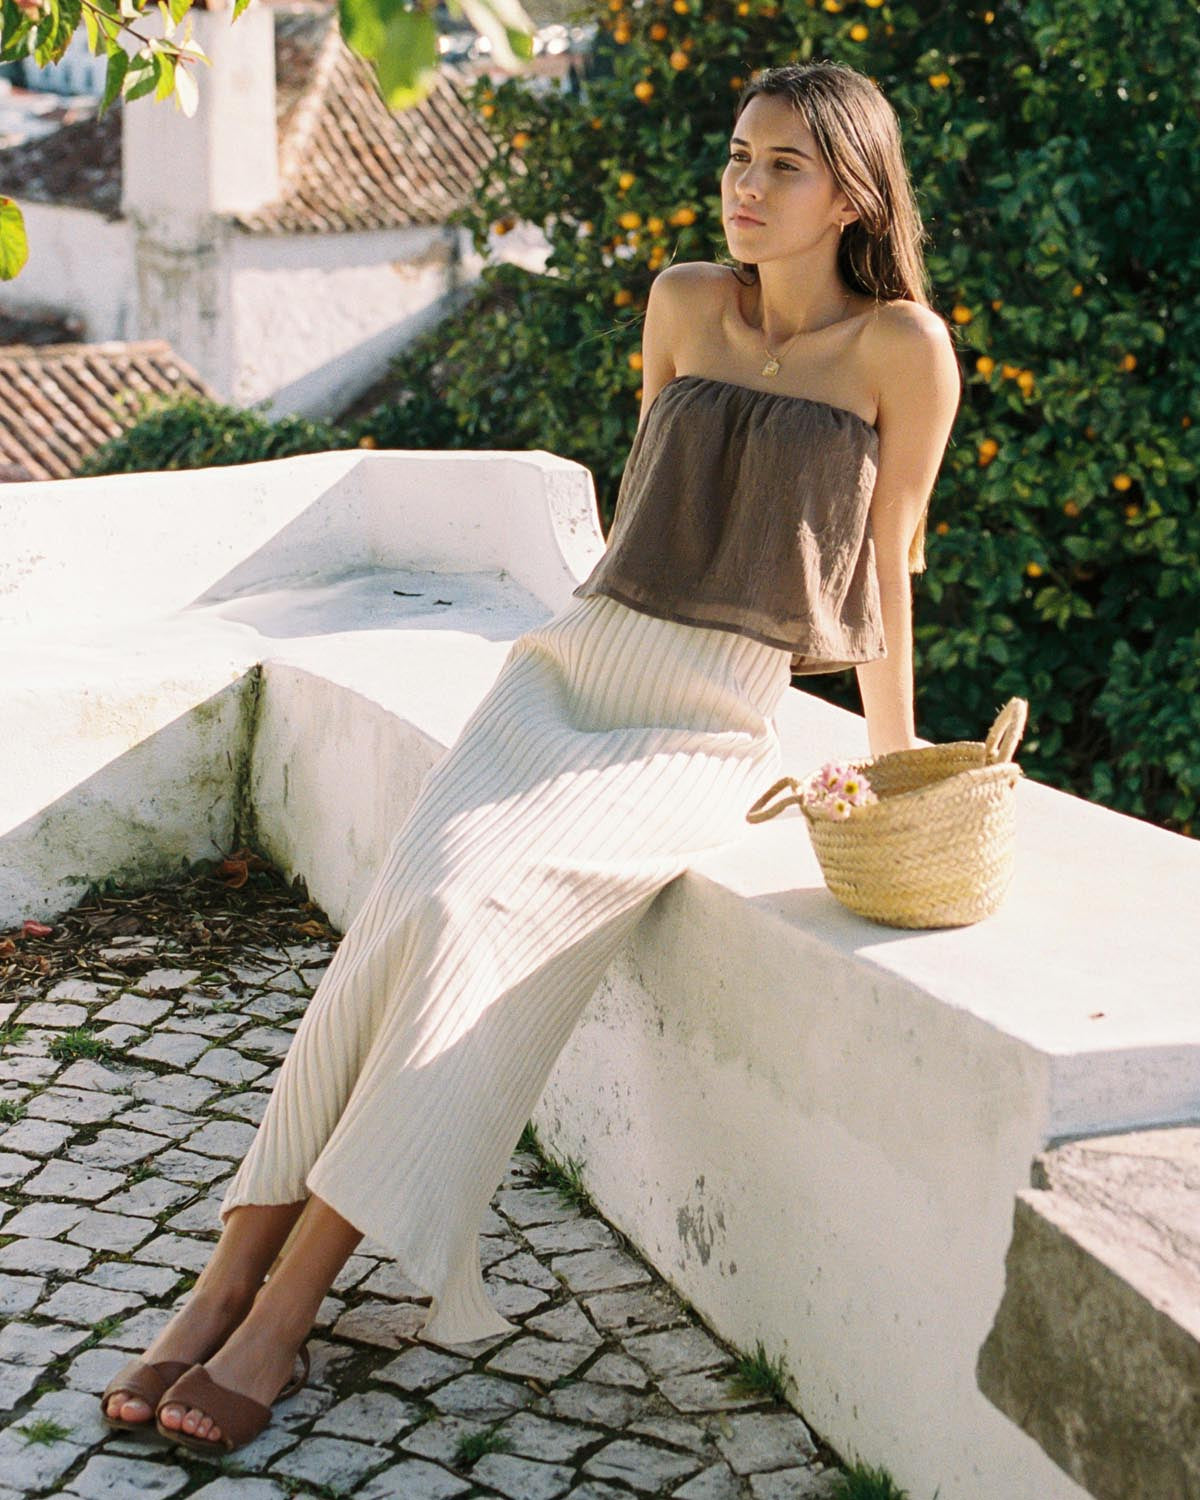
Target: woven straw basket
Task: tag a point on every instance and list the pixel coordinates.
(936, 849)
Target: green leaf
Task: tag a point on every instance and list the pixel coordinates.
(14, 245)
(109, 23)
(114, 78)
(401, 44)
(148, 82)
(166, 75)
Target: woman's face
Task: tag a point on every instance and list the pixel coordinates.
(790, 191)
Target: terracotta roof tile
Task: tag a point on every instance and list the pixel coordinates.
(78, 165)
(346, 161)
(62, 401)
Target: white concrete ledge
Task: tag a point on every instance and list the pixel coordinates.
(131, 603)
(814, 1126)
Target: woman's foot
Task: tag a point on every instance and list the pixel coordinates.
(197, 1330)
(256, 1360)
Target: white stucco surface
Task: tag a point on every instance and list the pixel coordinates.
(222, 157)
(813, 1125)
(315, 318)
(80, 265)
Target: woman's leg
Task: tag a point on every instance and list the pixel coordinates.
(222, 1295)
(258, 1356)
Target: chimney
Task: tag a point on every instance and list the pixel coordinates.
(224, 158)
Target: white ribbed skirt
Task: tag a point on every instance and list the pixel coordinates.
(612, 748)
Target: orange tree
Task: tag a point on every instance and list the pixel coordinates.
(1053, 147)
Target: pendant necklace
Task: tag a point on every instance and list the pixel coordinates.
(772, 365)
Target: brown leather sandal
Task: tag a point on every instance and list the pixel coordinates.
(144, 1382)
(239, 1417)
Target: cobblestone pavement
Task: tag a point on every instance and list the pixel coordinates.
(111, 1170)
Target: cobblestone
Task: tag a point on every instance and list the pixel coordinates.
(42, 1255)
(35, 1137)
(73, 1106)
(175, 1047)
(224, 1065)
(227, 1138)
(114, 1148)
(52, 1013)
(64, 1179)
(113, 1168)
(18, 1294)
(157, 1120)
(77, 989)
(165, 979)
(15, 1168)
(81, 1302)
(135, 1010)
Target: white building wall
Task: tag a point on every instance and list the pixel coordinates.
(316, 318)
(223, 158)
(181, 274)
(80, 264)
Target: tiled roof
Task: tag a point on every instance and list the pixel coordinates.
(78, 165)
(63, 400)
(346, 161)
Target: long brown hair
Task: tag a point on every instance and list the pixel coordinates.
(880, 253)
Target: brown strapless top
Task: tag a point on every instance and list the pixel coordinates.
(749, 510)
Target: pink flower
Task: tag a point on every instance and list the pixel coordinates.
(836, 789)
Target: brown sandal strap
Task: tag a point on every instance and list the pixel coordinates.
(145, 1381)
(239, 1417)
(296, 1381)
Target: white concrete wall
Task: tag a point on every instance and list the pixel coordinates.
(130, 604)
(80, 264)
(132, 547)
(315, 318)
(814, 1126)
(223, 157)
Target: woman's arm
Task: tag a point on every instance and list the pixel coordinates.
(661, 330)
(919, 391)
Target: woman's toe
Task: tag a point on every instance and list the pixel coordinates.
(171, 1414)
(204, 1426)
(127, 1408)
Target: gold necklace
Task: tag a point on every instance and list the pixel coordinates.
(772, 365)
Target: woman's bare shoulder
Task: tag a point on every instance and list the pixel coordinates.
(905, 319)
(691, 277)
(693, 296)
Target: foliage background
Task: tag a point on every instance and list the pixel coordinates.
(1052, 146)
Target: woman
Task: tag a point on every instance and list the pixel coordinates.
(620, 739)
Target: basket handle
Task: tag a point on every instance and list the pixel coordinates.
(1006, 731)
(759, 812)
